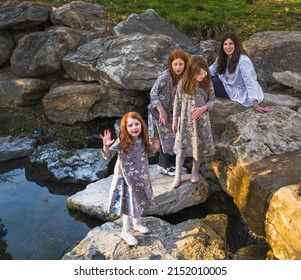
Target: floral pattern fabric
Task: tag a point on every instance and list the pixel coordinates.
(131, 191)
(193, 137)
(163, 93)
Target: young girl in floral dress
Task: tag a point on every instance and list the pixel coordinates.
(131, 191)
(162, 97)
(191, 122)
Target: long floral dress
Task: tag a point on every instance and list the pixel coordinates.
(131, 191)
(163, 93)
(193, 137)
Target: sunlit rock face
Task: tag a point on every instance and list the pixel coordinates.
(283, 219)
(257, 155)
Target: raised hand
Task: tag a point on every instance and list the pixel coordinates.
(106, 139)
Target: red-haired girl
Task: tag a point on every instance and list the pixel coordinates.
(162, 97)
(131, 191)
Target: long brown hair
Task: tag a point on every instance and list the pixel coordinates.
(176, 54)
(223, 61)
(195, 64)
(126, 141)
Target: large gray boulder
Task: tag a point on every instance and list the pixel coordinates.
(70, 102)
(290, 79)
(13, 148)
(94, 199)
(79, 166)
(23, 15)
(150, 23)
(267, 52)
(197, 239)
(16, 91)
(223, 108)
(41, 53)
(76, 15)
(131, 62)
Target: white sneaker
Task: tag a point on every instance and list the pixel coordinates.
(170, 171)
(141, 228)
(161, 170)
(129, 238)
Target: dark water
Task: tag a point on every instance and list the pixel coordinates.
(35, 223)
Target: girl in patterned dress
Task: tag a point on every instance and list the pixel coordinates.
(131, 191)
(162, 97)
(191, 122)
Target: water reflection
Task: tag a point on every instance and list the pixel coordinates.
(36, 223)
(4, 255)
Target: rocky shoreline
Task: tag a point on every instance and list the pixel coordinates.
(77, 68)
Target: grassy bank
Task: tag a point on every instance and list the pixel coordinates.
(206, 19)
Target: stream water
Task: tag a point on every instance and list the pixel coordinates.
(35, 223)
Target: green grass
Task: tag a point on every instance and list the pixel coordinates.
(206, 19)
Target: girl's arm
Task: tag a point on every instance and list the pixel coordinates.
(177, 107)
(155, 100)
(155, 145)
(154, 93)
(211, 97)
(198, 112)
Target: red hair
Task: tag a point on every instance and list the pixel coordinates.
(126, 141)
(176, 54)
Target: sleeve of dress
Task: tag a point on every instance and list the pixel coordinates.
(112, 151)
(178, 101)
(154, 93)
(211, 97)
(213, 68)
(249, 77)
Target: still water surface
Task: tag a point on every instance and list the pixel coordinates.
(34, 223)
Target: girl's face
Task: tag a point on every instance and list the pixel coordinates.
(133, 127)
(201, 75)
(229, 47)
(178, 66)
